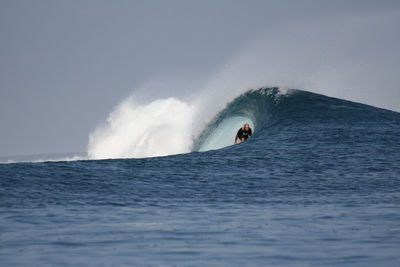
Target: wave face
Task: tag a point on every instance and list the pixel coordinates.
(298, 117)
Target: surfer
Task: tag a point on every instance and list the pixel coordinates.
(243, 133)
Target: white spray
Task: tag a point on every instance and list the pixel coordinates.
(159, 128)
(334, 57)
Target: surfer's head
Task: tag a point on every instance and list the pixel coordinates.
(246, 127)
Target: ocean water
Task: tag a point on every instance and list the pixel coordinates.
(317, 184)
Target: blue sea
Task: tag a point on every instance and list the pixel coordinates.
(318, 184)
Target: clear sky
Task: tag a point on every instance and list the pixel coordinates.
(64, 65)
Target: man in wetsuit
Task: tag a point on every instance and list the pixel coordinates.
(243, 133)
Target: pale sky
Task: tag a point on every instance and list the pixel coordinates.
(64, 65)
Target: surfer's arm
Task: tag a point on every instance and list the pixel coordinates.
(239, 133)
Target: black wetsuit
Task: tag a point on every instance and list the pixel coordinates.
(244, 134)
